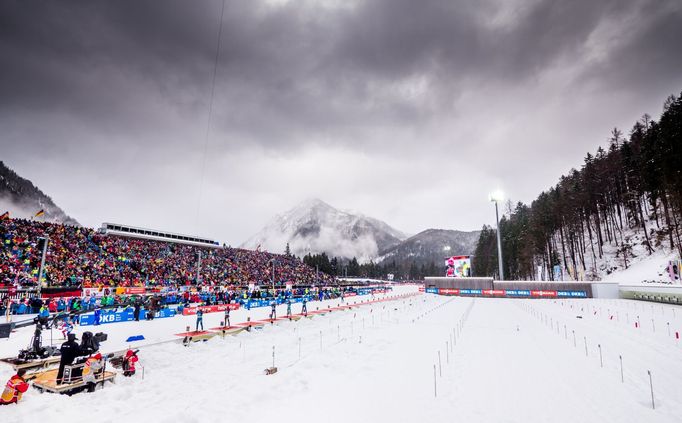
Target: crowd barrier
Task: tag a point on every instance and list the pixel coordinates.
(124, 315)
(507, 293)
(191, 311)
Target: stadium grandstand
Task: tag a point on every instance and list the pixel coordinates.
(83, 257)
(135, 232)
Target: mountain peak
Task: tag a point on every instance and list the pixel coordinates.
(314, 226)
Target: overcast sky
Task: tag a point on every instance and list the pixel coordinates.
(407, 111)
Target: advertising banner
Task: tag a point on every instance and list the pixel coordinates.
(190, 311)
(125, 315)
(493, 292)
(517, 293)
(543, 293)
(572, 294)
(88, 292)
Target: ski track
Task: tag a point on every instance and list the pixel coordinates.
(375, 364)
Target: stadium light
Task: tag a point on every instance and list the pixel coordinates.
(496, 197)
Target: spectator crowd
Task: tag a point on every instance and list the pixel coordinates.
(82, 257)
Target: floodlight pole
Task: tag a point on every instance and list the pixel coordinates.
(499, 242)
(45, 239)
(198, 267)
(273, 277)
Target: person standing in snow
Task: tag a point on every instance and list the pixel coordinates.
(69, 351)
(200, 320)
(136, 310)
(98, 316)
(129, 363)
(273, 310)
(93, 365)
(227, 316)
(304, 308)
(288, 307)
(14, 388)
(43, 316)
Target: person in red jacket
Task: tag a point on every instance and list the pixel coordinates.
(129, 363)
(14, 389)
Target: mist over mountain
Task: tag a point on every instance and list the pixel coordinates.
(316, 227)
(23, 199)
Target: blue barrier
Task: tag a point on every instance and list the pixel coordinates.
(517, 293)
(572, 294)
(125, 315)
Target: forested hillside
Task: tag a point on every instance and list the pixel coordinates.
(624, 201)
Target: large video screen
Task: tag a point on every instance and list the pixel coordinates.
(458, 266)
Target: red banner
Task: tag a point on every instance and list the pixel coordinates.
(493, 292)
(135, 290)
(350, 294)
(190, 311)
(543, 293)
(448, 291)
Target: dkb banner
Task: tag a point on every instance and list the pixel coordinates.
(125, 315)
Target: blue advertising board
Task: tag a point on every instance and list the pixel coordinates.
(517, 293)
(124, 315)
(266, 303)
(572, 294)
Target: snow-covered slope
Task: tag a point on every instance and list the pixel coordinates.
(23, 199)
(626, 259)
(314, 226)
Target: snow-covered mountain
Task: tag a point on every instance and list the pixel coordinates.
(316, 227)
(23, 199)
(432, 245)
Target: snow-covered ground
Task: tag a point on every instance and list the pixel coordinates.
(644, 269)
(512, 361)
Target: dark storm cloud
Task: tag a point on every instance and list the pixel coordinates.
(293, 70)
(398, 81)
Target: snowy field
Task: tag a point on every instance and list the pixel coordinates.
(501, 361)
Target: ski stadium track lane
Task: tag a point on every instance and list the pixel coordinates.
(533, 374)
(641, 349)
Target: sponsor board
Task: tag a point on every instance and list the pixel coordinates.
(190, 311)
(512, 293)
(517, 293)
(493, 292)
(125, 315)
(540, 293)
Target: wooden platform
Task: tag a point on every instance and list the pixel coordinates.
(196, 336)
(47, 381)
(228, 330)
(33, 364)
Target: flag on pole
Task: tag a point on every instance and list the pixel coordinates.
(40, 213)
(4, 216)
